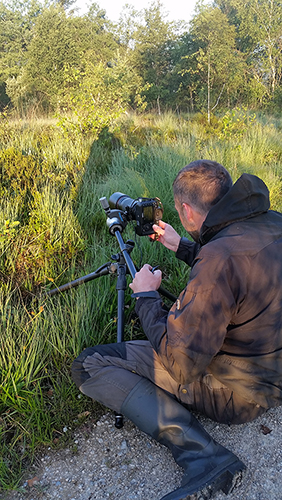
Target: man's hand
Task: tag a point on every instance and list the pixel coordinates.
(145, 280)
(167, 235)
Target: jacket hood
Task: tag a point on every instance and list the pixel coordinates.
(249, 196)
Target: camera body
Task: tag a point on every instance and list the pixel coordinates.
(145, 211)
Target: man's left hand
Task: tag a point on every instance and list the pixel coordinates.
(145, 280)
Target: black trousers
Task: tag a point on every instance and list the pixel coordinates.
(107, 373)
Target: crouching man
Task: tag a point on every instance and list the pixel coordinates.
(218, 350)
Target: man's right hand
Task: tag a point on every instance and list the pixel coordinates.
(167, 235)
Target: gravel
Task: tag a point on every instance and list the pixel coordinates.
(103, 462)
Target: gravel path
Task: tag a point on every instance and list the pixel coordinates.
(125, 464)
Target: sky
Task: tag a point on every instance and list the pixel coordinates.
(176, 9)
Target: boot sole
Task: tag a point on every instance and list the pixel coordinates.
(225, 480)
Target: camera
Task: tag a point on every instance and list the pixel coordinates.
(145, 211)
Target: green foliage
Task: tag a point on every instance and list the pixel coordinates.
(8, 232)
(214, 66)
(153, 54)
(235, 123)
(105, 91)
(57, 40)
(15, 23)
(18, 171)
(47, 53)
(64, 235)
(258, 26)
(38, 182)
(188, 68)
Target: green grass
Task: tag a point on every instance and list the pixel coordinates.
(53, 230)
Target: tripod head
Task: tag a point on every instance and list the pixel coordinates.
(144, 211)
(116, 221)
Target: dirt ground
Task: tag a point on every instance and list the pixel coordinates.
(103, 462)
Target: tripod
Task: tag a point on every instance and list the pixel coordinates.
(122, 265)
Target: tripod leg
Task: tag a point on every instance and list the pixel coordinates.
(121, 287)
(118, 420)
(120, 316)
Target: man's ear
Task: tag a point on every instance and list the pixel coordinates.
(188, 210)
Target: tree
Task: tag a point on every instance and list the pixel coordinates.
(215, 64)
(129, 21)
(16, 22)
(105, 92)
(153, 53)
(66, 4)
(51, 46)
(59, 40)
(185, 72)
(259, 35)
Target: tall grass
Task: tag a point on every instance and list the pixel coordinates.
(53, 230)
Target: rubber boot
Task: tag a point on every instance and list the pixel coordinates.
(208, 466)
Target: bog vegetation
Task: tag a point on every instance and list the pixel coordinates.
(53, 230)
(74, 129)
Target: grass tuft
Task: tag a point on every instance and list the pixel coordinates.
(53, 230)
